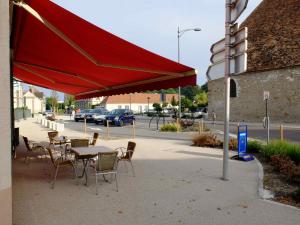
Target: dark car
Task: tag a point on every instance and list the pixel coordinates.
(81, 115)
(119, 117)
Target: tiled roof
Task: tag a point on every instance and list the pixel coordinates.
(141, 98)
(274, 35)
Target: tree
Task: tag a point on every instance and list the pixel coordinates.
(157, 107)
(191, 91)
(186, 103)
(70, 101)
(54, 99)
(174, 102)
(201, 99)
(204, 87)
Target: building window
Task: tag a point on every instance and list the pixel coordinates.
(233, 89)
(126, 106)
(119, 107)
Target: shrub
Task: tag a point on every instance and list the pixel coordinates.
(173, 127)
(296, 195)
(186, 123)
(286, 166)
(254, 147)
(233, 144)
(282, 148)
(206, 140)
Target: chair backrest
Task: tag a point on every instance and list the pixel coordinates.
(107, 161)
(130, 150)
(79, 143)
(26, 141)
(95, 138)
(52, 135)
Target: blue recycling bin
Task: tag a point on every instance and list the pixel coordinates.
(242, 143)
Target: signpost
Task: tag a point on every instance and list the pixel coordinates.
(238, 54)
(266, 120)
(229, 57)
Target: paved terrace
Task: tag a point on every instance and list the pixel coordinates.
(175, 183)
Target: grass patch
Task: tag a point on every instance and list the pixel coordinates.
(254, 147)
(170, 127)
(282, 148)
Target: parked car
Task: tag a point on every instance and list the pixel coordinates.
(201, 113)
(81, 114)
(119, 117)
(97, 115)
(48, 113)
(91, 116)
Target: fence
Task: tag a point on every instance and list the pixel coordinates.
(21, 113)
(50, 124)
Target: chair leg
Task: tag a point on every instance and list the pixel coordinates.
(75, 172)
(132, 168)
(96, 184)
(53, 182)
(116, 182)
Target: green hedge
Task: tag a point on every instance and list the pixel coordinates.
(282, 148)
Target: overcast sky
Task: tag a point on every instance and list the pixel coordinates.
(152, 24)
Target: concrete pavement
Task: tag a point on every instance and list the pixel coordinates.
(175, 183)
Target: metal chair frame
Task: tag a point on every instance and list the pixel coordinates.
(61, 162)
(113, 170)
(126, 155)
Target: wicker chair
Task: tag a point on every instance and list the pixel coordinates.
(33, 148)
(127, 153)
(52, 136)
(59, 162)
(106, 164)
(95, 138)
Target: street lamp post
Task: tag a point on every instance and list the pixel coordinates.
(179, 35)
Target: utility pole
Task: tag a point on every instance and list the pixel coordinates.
(227, 88)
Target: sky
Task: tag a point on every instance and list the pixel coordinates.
(153, 24)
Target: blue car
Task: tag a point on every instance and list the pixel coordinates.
(119, 117)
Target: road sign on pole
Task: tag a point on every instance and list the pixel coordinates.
(238, 55)
(238, 7)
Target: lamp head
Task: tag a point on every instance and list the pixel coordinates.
(197, 29)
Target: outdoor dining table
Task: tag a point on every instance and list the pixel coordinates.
(87, 153)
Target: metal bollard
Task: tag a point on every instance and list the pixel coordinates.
(107, 128)
(281, 132)
(133, 129)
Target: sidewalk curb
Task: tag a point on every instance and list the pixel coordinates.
(263, 193)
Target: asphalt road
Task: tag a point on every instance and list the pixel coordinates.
(257, 131)
(142, 130)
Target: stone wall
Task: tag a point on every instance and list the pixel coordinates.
(284, 103)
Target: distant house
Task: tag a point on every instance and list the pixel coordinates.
(18, 95)
(273, 65)
(35, 100)
(137, 102)
(88, 103)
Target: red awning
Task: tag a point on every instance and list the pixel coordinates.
(56, 49)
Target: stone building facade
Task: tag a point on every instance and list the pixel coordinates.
(273, 65)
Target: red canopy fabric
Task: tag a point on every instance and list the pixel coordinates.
(56, 49)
